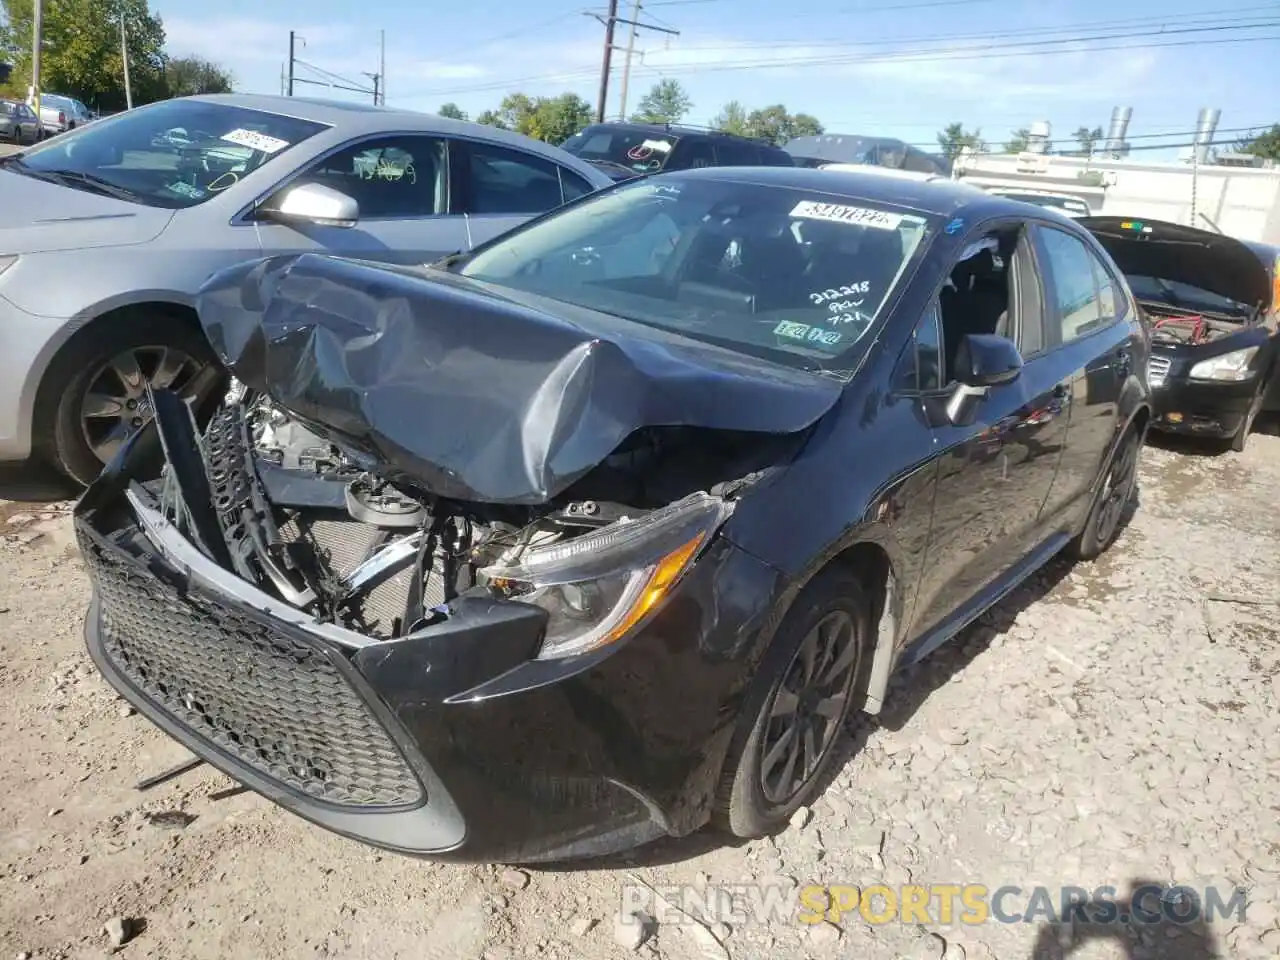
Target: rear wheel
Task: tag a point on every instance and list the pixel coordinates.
(815, 668)
(1113, 497)
(98, 387)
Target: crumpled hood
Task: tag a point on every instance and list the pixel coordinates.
(41, 217)
(1201, 258)
(472, 395)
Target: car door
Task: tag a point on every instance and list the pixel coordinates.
(996, 468)
(500, 187)
(30, 123)
(402, 185)
(1089, 342)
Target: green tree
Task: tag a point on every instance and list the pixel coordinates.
(81, 56)
(553, 119)
(189, 76)
(556, 119)
(1087, 139)
(452, 111)
(775, 125)
(1018, 140)
(732, 118)
(955, 138)
(1265, 144)
(666, 102)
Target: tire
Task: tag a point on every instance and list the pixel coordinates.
(743, 805)
(1240, 439)
(1113, 497)
(159, 343)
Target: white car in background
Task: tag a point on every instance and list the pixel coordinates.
(59, 114)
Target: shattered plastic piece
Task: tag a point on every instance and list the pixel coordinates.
(472, 394)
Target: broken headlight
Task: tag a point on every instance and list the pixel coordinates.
(1229, 366)
(597, 587)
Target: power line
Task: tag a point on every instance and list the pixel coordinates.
(970, 52)
(1129, 22)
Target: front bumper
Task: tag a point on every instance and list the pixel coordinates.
(451, 743)
(1202, 408)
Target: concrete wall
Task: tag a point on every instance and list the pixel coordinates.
(1243, 202)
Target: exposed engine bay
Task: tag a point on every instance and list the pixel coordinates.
(305, 521)
(1174, 325)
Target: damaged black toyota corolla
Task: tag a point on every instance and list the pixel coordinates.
(601, 531)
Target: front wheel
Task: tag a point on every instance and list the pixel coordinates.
(99, 386)
(815, 671)
(1240, 439)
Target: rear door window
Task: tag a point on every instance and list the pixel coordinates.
(503, 181)
(1075, 300)
(736, 153)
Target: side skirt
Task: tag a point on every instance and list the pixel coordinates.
(982, 602)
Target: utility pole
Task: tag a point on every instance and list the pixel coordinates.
(375, 78)
(626, 69)
(37, 43)
(289, 89)
(382, 67)
(609, 24)
(124, 57)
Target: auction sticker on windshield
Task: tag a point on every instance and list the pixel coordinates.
(854, 216)
(256, 141)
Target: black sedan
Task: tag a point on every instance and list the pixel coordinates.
(601, 531)
(1213, 303)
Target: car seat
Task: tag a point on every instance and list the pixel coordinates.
(978, 303)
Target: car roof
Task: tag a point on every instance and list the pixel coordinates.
(355, 119)
(680, 130)
(938, 197)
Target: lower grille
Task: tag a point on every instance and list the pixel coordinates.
(276, 703)
(1158, 371)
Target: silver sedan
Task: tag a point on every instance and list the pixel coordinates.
(110, 230)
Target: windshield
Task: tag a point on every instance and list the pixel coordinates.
(173, 154)
(794, 276)
(1183, 296)
(637, 150)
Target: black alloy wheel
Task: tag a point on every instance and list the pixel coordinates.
(811, 679)
(809, 706)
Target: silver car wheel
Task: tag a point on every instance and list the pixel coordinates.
(116, 403)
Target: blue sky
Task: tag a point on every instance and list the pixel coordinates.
(901, 68)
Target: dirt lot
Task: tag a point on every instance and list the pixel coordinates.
(1105, 726)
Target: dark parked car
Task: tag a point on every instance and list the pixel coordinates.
(602, 530)
(628, 150)
(1213, 303)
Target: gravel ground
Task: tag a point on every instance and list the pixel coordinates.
(1104, 726)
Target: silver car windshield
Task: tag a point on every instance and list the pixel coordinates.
(173, 154)
(792, 275)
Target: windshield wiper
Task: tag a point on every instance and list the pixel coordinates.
(76, 178)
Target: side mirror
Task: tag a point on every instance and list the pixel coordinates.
(314, 203)
(983, 361)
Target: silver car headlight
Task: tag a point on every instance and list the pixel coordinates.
(597, 587)
(1231, 366)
